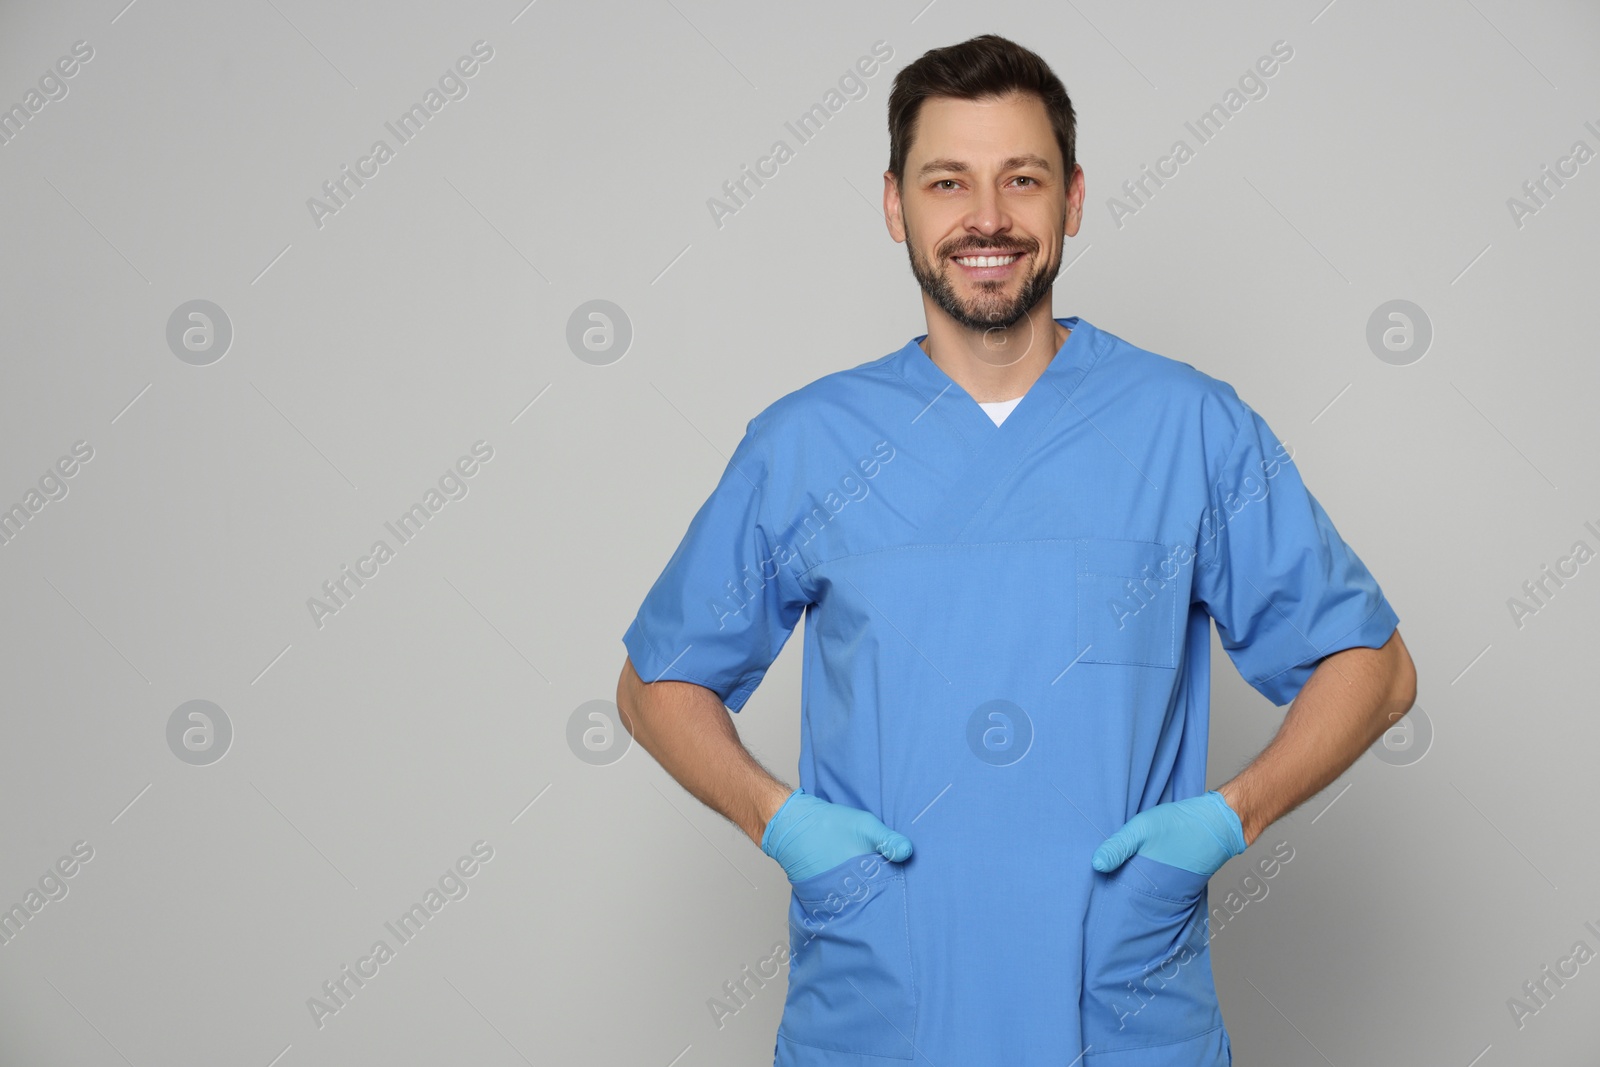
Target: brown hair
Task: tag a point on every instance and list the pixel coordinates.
(981, 67)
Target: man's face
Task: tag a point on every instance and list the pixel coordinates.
(984, 177)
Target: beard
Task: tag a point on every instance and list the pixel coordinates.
(989, 307)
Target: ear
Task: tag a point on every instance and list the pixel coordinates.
(1075, 193)
(893, 210)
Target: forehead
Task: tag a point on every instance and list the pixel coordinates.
(982, 131)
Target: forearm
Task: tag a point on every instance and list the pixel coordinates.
(1352, 697)
(689, 732)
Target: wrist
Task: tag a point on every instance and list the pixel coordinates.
(1247, 828)
(768, 804)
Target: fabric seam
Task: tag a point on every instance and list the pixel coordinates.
(972, 544)
(1238, 440)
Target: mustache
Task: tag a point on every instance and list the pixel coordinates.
(971, 249)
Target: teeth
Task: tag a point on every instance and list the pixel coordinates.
(985, 261)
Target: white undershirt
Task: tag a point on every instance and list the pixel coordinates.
(999, 409)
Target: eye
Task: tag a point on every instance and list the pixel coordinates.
(942, 181)
(1026, 178)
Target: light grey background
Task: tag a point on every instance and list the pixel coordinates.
(431, 312)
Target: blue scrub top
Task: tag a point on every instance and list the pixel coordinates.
(1007, 656)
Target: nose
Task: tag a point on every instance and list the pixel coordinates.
(987, 213)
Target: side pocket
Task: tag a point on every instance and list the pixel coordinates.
(1147, 965)
(1129, 593)
(851, 987)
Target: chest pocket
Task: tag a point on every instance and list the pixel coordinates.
(1129, 594)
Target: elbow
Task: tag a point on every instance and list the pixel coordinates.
(1403, 681)
(628, 684)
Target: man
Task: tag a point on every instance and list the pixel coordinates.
(1008, 540)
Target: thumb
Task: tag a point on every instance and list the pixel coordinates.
(890, 844)
(1115, 850)
(894, 846)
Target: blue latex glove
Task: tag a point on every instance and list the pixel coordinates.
(808, 835)
(1199, 834)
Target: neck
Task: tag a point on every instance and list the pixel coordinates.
(997, 364)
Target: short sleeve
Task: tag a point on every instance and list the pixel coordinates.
(1284, 588)
(728, 598)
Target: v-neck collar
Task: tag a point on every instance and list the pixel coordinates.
(948, 401)
(989, 454)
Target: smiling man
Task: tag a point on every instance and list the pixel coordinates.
(999, 848)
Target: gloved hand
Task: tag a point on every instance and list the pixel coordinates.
(1199, 834)
(808, 835)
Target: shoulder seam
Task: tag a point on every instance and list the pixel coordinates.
(1212, 479)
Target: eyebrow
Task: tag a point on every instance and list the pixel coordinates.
(957, 166)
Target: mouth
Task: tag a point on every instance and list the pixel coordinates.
(987, 265)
